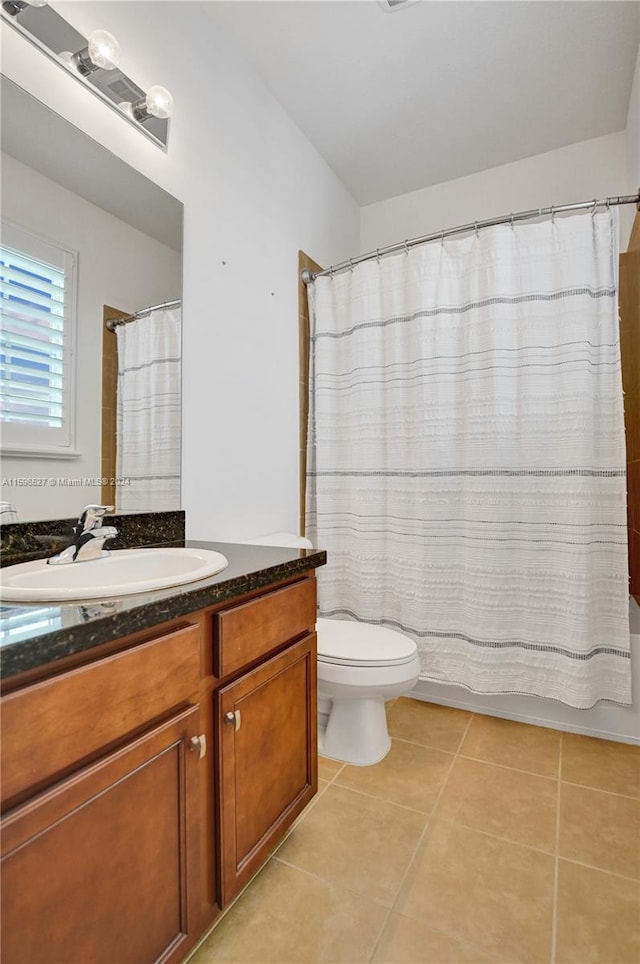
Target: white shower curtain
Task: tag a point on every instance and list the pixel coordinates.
(148, 413)
(467, 456)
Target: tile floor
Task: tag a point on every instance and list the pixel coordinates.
(476, 840)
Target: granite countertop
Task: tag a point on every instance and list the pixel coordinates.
(39, 634)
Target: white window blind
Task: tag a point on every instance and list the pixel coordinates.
(37, 328)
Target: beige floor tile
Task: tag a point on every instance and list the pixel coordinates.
(410, 775)
(327, 768)
(513, 744)
(598, 917)
(601, 763)
(356, 841)
(406, 941)
(488, 892)
(429, 724)
(286, 915)
(520, 807)
(601, 829)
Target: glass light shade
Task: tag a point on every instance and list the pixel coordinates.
(104, 49)
(36, 3)
(159, 101)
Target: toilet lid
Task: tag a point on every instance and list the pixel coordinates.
(343, 642)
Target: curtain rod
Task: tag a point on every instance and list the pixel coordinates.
(114, 323)
(308, 277)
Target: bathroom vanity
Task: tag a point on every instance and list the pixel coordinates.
(154, 751)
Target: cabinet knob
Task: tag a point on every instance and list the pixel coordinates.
(199, 743)
(233, 719)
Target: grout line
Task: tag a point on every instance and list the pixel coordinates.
(334, 884)
(464, 734)
(556, 862)
(379, 799)
(338, 771)
(505, 766)
(611, 793)
(419, 841)
(455, 936)
(425, 746)
(381, 932)
(411, 861)
(495, 836)
(600, 870)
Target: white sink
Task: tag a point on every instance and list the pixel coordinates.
(123, 572)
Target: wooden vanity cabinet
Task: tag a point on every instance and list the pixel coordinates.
(142, 789)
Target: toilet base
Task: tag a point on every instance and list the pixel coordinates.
(356, 732)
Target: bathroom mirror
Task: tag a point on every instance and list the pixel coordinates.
(61, 187)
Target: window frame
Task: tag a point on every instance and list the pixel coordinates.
(20, 440)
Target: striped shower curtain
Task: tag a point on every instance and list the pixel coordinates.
(148, 413)
(466, 463)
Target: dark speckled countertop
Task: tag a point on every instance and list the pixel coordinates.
(39, 634)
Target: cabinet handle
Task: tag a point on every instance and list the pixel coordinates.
(233, 719)
(199, 743)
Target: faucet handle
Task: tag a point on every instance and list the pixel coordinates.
(91, 517)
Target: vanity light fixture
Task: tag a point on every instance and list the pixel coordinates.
(94, 63)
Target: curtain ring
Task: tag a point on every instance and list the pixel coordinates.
(378, 255)
(511, 221)
(406, 248)
(351, 264)
(553, 214)
(476, 228)
(595, 205)
(442, 238)
(331, 269)
(608, 203)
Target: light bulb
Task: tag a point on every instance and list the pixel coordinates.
(104, 49)
(159, 101)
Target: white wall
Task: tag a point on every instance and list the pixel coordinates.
(254, 191)
(118, 266)
(594, 168)
(633, 131)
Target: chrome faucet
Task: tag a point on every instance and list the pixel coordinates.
(88, 539)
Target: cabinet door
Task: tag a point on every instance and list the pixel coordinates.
(267, 758)
(102, 868)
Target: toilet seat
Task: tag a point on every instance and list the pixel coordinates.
(343, 643)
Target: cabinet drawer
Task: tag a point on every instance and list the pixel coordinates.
(82, 711)
(247, 632)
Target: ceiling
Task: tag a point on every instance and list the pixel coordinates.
(434, 90)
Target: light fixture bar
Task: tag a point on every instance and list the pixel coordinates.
(92, 62)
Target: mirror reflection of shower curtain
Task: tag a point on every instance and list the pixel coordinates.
(148, 413)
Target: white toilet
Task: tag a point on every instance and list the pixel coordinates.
(360, 666)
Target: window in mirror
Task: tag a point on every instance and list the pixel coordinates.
(38, 284)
